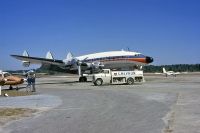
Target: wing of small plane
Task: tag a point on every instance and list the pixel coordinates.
(37, 60)
(177, 73)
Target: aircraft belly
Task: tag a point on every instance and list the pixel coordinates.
(13, 82)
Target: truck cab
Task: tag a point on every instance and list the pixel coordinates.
(107, 76)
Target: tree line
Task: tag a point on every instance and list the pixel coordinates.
(176, 68)
(53, 69)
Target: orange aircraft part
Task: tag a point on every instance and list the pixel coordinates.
(12, 80)
(142, 60)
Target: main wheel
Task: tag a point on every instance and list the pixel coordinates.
(98, 82)
(11, 88)
(130, 81)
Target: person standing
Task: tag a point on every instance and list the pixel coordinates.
(28, 76)
(31, 80)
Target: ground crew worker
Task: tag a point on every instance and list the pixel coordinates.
(31, 80)
(28, 81)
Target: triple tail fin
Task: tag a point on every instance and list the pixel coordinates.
(25, 63)
(49, 55)
(25, 53)
(69, 57)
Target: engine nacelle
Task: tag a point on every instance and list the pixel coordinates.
(97, 65)
(26, 63)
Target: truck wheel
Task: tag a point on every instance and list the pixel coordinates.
(130, 81)
(98, 82)
(82, 79)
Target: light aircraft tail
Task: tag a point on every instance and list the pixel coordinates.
(164, 71)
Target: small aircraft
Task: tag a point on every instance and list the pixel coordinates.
(170, 73)
(110, 59)
(8, 79)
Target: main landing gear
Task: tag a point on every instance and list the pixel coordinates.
(11, 88)
(81, 77)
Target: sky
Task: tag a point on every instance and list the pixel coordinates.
(167, 30)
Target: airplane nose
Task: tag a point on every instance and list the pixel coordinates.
(149, 59)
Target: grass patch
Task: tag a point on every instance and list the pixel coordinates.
(4, 112)
(10, 114)
(15, 93)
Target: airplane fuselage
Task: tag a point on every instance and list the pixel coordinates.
(7, 79)
(115, 59)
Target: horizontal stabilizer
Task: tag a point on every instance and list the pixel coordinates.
(49, 55)
(38, 60)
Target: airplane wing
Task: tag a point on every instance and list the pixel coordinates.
(177, 73)
(38, 60)
(158, 73)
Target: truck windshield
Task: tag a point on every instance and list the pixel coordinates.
(106, 71)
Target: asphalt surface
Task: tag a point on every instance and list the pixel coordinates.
(169, 105)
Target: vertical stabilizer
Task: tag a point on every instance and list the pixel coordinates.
(164, 71)
(25, 53)
(70, 60)
(69, 56)
(25, 63)
(49, 55)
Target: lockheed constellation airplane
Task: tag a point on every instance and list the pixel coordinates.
(111, 60)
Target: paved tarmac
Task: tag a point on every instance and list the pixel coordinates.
(161, 105)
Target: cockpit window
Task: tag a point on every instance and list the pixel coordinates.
(1, 76)
(7, 74)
